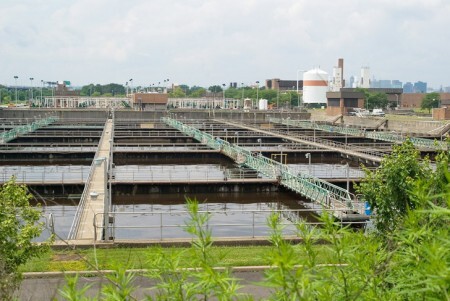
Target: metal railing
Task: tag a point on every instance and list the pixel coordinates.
(76, 220)
(25, 129)
(44, 174)
(159, 224)
(318, 190)
(377, 135)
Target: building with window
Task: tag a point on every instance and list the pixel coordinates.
(420, 87)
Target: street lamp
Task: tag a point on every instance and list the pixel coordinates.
(31, 89)
(287, 121)
(346, 134)
(257, 90)
(42, 86)
(226, 134)
(237, 137)
(308, 156)
(131, 85)
(15, 80)
(348, 176)
(223, 95)
(260, 146)
(242, 87)
(278, 94)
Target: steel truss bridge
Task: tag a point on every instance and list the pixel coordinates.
(340, 201)
(356, 132)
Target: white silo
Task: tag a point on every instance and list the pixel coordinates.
(262, 105)
(315, 86)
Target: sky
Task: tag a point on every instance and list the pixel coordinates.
(209, 42)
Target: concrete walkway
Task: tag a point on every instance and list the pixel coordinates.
(348, 152)
(96, 194)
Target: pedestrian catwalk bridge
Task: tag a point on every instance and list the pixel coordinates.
(358, 132)
(95, 198)
(25, 129)
(340, 201)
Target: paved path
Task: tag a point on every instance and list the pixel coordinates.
(96, 193)
(45, 289)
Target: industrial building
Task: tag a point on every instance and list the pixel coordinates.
(150, 101)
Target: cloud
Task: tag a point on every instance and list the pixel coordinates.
(206, 42)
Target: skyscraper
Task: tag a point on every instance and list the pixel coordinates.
(420, 87)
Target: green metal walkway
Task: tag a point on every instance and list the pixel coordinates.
(342, 203)
(377, 135)
(25, 129)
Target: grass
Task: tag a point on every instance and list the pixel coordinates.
(137, 258)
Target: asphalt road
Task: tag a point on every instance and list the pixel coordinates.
(45, 289)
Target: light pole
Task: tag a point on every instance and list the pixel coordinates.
(308, 156)
(31, 89)
(314, 131)
(42, 86)
(348, 176)
(278, 94)
(224, 95)
(287, 121)
(237, 137)
(257, 90)
(346, 134)
(260, 146)
(131, 85)
(242, 87)
(15, 80)
(226, 135)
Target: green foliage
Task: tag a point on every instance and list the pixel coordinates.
(120, 286)
(18, 227)
(215, 89)
(377, 100)
(412, 263)
(177, 93)
(71, 292)
(374, 100)
(210, 282)
(430, 100)
(289, 281)
(105, 90)
(199, 92)
(420, 268)
(387, 188)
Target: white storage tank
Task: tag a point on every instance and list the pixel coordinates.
(262, 104)
(247, 104)
(315, 86)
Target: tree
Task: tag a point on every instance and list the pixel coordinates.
(19, 225)
(215, 89)
(198, 92)
(177, 93)
(377, 100)
(387, 189)
(430, 100)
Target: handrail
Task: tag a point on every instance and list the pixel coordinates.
(25, 129)
(326, 194)
(76, 220)
(291, 217)
(377, 135)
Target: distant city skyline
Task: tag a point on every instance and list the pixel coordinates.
(204, 43)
